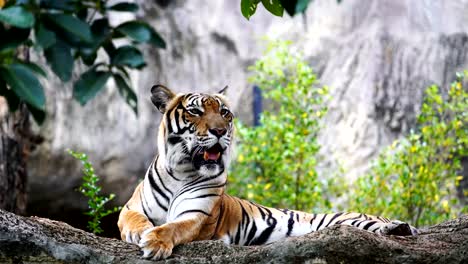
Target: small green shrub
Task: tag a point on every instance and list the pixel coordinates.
(91, 190)
(415, 178)
(276, 164)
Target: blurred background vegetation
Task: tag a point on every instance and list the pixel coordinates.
(414, 179)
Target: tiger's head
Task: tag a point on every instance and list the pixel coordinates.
(195, 131)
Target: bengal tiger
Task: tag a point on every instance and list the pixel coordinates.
(182, 197)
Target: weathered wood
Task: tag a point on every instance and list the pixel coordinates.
(40, 240)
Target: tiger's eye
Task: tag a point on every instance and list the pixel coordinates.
(195, 112)
(224, 111)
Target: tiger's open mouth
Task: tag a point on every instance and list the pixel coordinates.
(213, 153)
(207, 156)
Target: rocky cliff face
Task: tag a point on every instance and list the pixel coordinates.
(377, 57)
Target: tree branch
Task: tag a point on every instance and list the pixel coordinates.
(34, 239)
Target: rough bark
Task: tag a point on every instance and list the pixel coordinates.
(40, 240)
(13, 158)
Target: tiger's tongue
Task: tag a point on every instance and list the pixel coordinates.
(211, 156)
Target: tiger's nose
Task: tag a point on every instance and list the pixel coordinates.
(219, 132)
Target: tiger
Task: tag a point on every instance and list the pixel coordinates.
(183, 195)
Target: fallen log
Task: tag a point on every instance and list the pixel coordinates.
(41, 240)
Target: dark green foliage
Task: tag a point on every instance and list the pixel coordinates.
(89, 84)
(67, 31)
(17, 16)
(91, 190)
(22, 80)
(276, 7)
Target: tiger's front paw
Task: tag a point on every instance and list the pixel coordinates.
(154, 245)
(398, 228)
(134, 235)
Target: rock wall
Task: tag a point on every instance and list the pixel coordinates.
(377, 57)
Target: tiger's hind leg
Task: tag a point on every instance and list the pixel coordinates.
(398, 228)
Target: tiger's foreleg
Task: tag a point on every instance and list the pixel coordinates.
(158, 242)
(132, 221)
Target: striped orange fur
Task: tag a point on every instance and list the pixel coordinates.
(182, 197)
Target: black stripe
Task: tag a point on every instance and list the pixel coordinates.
(237, 237)
(176, 118)
(199, 180)
(313, 218)
(169, 171)
(333, 218)
(174, 140)
(128, 207)
(290, 223)
(193, 211)
(145, 212)
(321, 222)
(159, 176)
(368, 225)
(265, 235)
(251, 235)
(207, 186)
(168, 123)
(297, 217)
(352, 223)
(203, 196)
(149, 218)
(245, 219)
(142, 198)
(155, 187)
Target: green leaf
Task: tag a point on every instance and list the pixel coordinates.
(35, 68)
(89, 84)
(13, 37)
(17, 16)
(124, 7)
(65, 5)
(156, 40)
(294, 6)
(60, 60)
(141, 32)
(301, 6)
(100, 30)
(248, 8)
(24, 83)
(274, 6)
(38, 114)
(72, 25)
(128, 56)
(44, 37)
(126, 92)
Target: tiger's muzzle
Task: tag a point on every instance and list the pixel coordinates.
(210, 157)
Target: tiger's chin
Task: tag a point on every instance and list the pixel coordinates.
(210, 161)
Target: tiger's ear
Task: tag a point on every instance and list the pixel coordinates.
(160, 96)
(223, 91)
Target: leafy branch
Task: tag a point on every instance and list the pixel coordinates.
(90, 189)
(64, 32)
